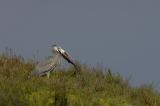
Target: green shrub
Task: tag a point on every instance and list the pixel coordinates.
(92, 87)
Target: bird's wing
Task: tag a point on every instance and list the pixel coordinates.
(67, 57)
(47, 65)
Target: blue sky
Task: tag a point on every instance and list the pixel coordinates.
(121, 34)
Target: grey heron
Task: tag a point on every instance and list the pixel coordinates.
(44, 68)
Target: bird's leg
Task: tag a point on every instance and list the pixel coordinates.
(48, 74)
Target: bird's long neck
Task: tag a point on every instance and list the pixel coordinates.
(56, 59)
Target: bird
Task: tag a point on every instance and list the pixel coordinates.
(44, 68)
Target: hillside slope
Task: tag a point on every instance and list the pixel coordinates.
(92, 87)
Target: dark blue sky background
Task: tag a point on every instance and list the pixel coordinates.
(122, 34)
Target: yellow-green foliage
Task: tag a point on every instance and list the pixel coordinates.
(92, 87)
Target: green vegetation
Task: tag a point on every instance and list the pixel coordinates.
(92, 87)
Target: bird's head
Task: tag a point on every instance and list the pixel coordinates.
(55, 49)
